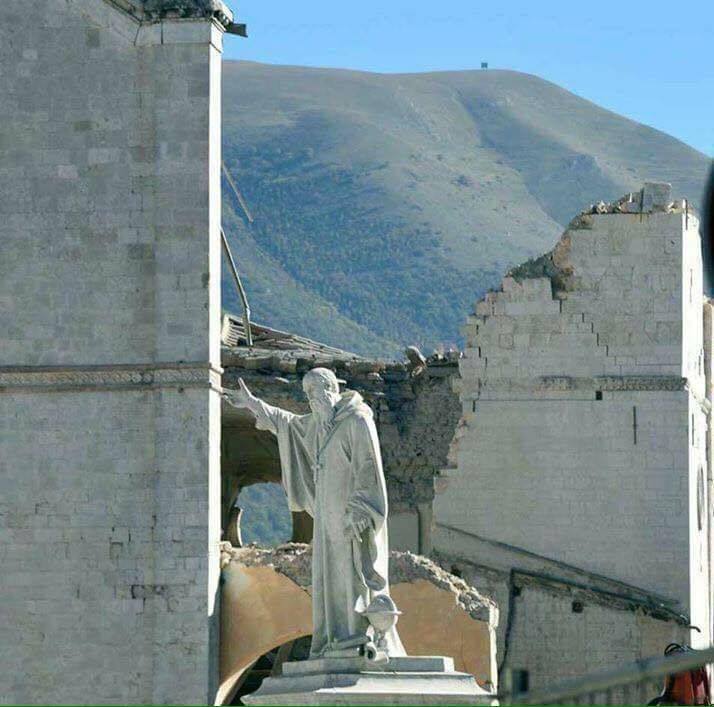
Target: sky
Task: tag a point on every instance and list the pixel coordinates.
(650, 61)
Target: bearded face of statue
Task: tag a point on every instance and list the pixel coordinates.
(322, 388)
(322, 398)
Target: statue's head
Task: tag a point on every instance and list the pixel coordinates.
(322, 389)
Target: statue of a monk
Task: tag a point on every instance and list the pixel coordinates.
(332, 468)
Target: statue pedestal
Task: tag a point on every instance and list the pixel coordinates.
(406, 680)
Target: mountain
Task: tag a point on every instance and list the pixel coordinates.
(266, 519)
(383, 205)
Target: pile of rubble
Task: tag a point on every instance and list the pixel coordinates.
(653, 197)
(294, 560)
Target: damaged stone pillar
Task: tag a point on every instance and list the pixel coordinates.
(233, 532)
(302, 528)
(425, 512)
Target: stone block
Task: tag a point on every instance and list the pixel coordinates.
(505, 341)
(656, 196)
(409, 680)
(84, 448)
(540, 440)
(404, 531)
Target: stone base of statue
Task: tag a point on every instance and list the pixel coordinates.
(405, 680)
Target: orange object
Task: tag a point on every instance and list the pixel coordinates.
(690, 687)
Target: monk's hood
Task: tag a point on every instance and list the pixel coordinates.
(350, 403)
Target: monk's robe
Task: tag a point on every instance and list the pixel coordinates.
(332, 471)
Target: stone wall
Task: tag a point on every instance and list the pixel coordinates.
(557, 630)
(416, 411)
(584, 418)
(558, 620)
(561, 478)
(109, 354)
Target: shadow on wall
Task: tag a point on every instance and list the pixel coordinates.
(260, 610)
(268, 665)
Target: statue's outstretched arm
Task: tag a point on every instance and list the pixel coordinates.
(268, 417)
(242, 398)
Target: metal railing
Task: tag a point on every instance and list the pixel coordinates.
(633, 684)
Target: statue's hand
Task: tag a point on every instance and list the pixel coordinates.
(241, 398)
(355, 525)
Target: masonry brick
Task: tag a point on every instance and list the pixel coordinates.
(109, 226)
(584, 423)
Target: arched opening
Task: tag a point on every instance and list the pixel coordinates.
(269, 664)
(250, 470)
(263, 608)
(264, 518)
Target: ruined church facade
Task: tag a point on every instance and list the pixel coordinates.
(576, 490)
(579, 489)
(579, 496)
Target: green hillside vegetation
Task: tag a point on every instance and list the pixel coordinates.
(266, 519)
(384, 205)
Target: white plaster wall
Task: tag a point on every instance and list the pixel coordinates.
(109, 477)
(699, 512)
(692, 299)
(709, 445)
(699, 506)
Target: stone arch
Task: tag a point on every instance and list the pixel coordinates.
(249, 456)
(269, 664)
(260, 610)
(265, 603)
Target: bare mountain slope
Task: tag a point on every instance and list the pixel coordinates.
(385, 204)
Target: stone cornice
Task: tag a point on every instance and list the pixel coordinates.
(617, 382)
(571, 388)
(565, 387)
(485, 387)
(157, 10)
(109, 377)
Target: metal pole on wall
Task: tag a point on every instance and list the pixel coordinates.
(239, 286)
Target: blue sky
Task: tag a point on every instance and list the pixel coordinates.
(650, 61)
